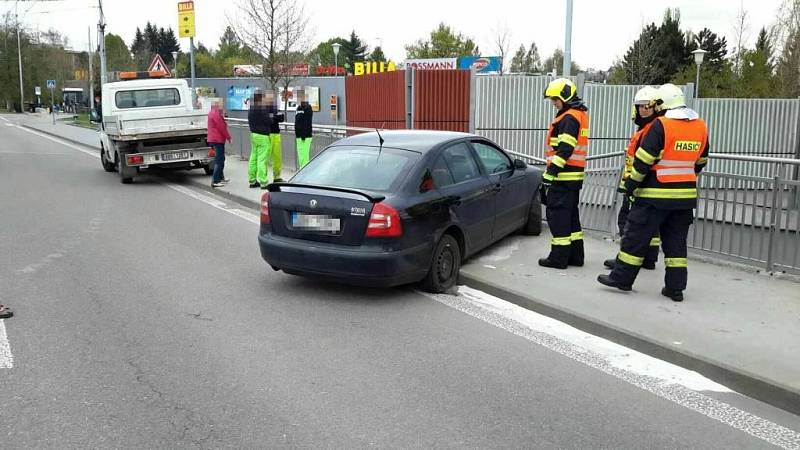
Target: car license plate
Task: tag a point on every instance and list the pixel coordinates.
(315, 222)
(174, 156)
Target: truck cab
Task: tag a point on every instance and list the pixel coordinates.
(149, 121)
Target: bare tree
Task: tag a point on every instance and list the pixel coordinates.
(295, 45)
(741, 33)
(787, 21)
(274, 29)
(502, 41)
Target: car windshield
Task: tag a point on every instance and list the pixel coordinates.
(354, 167)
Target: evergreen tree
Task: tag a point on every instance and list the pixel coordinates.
(377, 55)
(757, 78)
(707, 40)
(354, 50)
(670, 47)
(443, 43)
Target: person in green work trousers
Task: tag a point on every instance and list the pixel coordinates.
(303, 120)
(275, 155)
(259, 122)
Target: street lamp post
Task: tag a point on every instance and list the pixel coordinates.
(336, 47)
(699, 54)
(175, 63)
(19, 57)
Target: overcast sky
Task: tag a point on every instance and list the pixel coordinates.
(602, 29)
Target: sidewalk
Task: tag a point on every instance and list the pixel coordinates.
(737, 327)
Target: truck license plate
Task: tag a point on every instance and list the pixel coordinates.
(174, 156)
(315, 222)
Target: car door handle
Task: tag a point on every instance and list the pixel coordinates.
(497, 188)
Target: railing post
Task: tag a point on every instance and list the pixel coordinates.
(773, 220)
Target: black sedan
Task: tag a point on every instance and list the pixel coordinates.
(397, 207)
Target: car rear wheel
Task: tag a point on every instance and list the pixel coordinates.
(533, 227)
(446, 262)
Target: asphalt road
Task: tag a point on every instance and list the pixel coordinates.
(146, 319)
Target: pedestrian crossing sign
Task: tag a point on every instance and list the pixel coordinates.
(51, 84)
(158, 65)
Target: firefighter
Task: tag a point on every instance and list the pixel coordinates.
(567, 146)
(643, 115)
(663, 184)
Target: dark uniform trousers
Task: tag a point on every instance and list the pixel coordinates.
(644, 221)
(564, 221)
(651, 256)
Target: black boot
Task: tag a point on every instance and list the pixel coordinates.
(254, 184)
(676, 296)
(610, 282)
(547, 262)
(609, 263)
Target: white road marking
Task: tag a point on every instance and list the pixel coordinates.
(663, 379)
(658, 377)
(1, 117)
(61, 141)
(218, 204)
(6, 358)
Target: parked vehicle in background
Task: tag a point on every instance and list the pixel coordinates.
(397, 207)
(149, 121)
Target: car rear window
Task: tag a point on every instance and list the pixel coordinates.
(355, 167)
(147, 98)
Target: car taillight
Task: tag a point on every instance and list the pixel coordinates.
(135, 159)
(265, 209)
(384, 222)
(211, 152)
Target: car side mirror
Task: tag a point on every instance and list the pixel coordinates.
(94, 116)
(520, 164)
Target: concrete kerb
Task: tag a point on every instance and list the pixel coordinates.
(739, 380)
(59, 136)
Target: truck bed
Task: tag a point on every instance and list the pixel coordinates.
(141, 126)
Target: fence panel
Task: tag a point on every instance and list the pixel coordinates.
(758, 127)
(376, 100)
(441, 100)
(511, 111)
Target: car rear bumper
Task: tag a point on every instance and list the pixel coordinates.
(344, 265)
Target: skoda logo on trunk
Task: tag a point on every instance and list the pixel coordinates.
(312, 203)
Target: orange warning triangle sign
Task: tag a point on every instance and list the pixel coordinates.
(158, 65)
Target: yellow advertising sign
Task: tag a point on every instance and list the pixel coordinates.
(362, 68)
(186, 19)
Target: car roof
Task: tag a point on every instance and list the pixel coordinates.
(416, 140)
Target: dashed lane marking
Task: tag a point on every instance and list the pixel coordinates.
(6, 358)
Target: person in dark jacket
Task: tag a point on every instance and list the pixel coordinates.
(303, 120)
(275, 137)
(260, 124)
(567, 146)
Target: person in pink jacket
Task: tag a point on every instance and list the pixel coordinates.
(217, 136)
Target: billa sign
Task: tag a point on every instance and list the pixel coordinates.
(366, 68)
